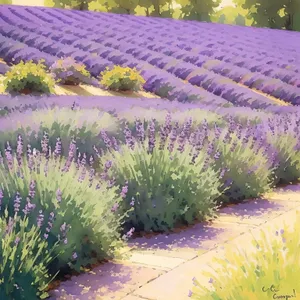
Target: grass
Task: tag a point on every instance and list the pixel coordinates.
(265, 270)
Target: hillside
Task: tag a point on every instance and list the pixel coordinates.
(186, 61)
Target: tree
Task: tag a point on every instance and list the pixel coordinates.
(200, 10)
(280, 14)
(232, 15)
(5, 2)
(74, 4)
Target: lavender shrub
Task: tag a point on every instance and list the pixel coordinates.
(47, 184)
(170, 181)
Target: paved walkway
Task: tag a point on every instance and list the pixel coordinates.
(162, 267)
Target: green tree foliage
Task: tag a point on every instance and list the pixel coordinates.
(5, 2)
(200, 10)
(74, 4)
(277, 14)
(232, 15)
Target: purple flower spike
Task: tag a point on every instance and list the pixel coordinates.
(17, 203)
(17, 240)
(40, 219)
(57, 149)
(115, 207)
(1, 197)
(190, 293)
(124, 191)
(58, 195)
(151, 136)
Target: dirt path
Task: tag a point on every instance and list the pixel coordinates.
(151, 264)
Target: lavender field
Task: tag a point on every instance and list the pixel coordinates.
(81, 175)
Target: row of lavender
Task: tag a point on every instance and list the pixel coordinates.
(174, 61)
(205, 41)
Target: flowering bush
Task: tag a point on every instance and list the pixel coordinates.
(170, 180)
(249, 273)
(64, 123)
(68, 71)
(24, 255)
(68, 189)
(122, 79)
(244, 161)
(28, 77)
(282, 133)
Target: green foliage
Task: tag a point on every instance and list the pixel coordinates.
(277, 14)
(242, 274)
(24, 257)
(70, 191)
(28, 77)
(122, 79)
(167, 188)
(73, 4)
(5, 2)
(198, 9)
(232, 15)
(68, 71)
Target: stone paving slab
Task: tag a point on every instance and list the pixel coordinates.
(255, 212)
(110, 280)
(132, 297)
(156, 260)
(202, 236)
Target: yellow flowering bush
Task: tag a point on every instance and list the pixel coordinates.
(122, 79)
(29, 77)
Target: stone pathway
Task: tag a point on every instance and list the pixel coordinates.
(162, 267)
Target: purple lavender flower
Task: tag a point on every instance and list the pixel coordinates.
(173, 137)
(30, 158)
(151, 135)
(115, 143)
(8, 156)
(57, 149)
(140, 131)
(124, 190)
(190, 293)
(74, 256)
(40, 219)
(28, 207)
(115, 207)
(19, 149)
(58, 195)
(132, 201)
(45, 144)
(71, 155)
(1, 159)
(106, 139)
(128, 137)
(17, 240)
(32, 189)
(1, 197)
(17, 203)
(10, 226)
